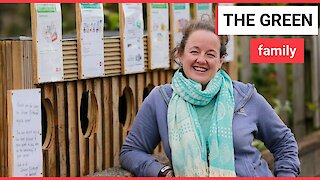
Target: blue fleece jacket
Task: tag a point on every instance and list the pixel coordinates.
(253, 119)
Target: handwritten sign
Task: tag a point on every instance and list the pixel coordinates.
(25, 141)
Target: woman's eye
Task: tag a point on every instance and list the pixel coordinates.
(211, 55)
(194, 52)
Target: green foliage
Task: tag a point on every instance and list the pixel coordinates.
(265, 80)
(112, 21)
(111, 16)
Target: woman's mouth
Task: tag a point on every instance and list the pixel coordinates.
(200, 69)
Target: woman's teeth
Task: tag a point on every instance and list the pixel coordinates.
(200, 69)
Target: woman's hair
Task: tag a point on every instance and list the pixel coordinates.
(196, 25)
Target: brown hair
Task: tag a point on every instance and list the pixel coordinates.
(199, 25)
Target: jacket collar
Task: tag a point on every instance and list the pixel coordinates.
(242, 94)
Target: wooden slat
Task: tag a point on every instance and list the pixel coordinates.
(10, 133)
(123, 127)
(109, 63)
(162, 77)
(67, 59)
(61, 129)
(169, 76)
(123, 84)
(83, 142)
(148, 77)
(315, 80)
(73, 129)
(91, 138)
(132, 107)
(71, 61)
(112, 40)
(3, 165)
(115, 120)
(17, 64)
(233, 65)
(121, 31)
(113, 71)
(112, 54)
(69, 52)
(71, 66)
(283, 95)
(69, 42)
(9, 65)
(299, 127)
(8, 86)
(99, 125)
(112, 49)
(140, 86)
(155, 78)
(113, 45)
(107, 122)
(29, 67)
(51, 160)
(110, 67)
(79, 44)
(246, 67)
(34, 42)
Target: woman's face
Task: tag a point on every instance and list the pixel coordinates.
(201, 57)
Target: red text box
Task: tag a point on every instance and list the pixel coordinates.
(277, 50)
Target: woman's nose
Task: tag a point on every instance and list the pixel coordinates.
(201, 59)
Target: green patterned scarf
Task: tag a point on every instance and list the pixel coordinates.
(190, 154)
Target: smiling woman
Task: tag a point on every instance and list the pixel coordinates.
(201, 52)
(201, 58)
(206, 121)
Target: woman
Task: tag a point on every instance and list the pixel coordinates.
(210, 122)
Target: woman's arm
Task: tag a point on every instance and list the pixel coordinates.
(278, 138)
(143, 137)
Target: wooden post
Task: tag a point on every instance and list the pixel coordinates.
(140, 86)
(299, 127)
(61, 134)
(115, 120)
(90, 135)
(283, 95)
(99, 142)
(107, 122)
(73, 129)
(47, 91)
(246, 67)
(3, 164)
(83, 142)
(315, 80)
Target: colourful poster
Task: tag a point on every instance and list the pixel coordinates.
(159, 28)
(204, 11)
(49, 42)
(133, 38)
(92, 41)
(181, 18)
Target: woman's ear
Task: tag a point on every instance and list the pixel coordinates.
(179, 56)
(221, 61)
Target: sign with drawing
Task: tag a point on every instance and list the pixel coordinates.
(47, 30)
(131, 33)
(158, 34)
(91, 40)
